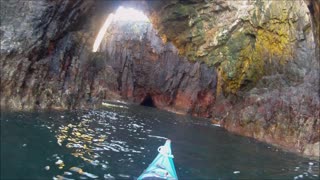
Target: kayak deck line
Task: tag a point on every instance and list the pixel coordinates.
(162, 167)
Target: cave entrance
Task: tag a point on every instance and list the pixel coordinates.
(148, 101)
(122, 14)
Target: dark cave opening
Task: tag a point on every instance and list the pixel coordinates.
(148, 101)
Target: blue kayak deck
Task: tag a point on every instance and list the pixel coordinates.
(162, 167)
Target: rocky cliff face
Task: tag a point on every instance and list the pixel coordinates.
(253, 65)
(135, 66)
(146, 68)
(266, 56)
(38, 46)
(245, 40)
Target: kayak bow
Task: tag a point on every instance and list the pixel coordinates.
(162, 167)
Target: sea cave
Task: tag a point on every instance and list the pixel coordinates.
(234, 85)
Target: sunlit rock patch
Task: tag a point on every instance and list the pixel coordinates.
(245, 40)
(148, 68)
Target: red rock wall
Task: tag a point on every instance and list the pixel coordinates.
(147, 67)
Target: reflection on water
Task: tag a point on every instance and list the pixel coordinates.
(119, 143)
(88, 138)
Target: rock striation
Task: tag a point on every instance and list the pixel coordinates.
(267, 57)
(37, 50)
(133, 64)
(148, 68)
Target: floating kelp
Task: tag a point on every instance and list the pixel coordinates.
(113, 105)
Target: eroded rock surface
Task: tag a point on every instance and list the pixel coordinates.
(245, 40)
(39, 50)
(133, 64)
(148, 68)
(266, 54)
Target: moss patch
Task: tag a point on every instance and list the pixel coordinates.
(243, 58)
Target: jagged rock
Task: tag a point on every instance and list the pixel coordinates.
(267, 57)
(148, 68)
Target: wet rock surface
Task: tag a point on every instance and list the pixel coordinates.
(38, 47)
(148, 68)
(266, 55)
(133, 64)
(253, 66)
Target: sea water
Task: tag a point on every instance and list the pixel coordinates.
(120, 141)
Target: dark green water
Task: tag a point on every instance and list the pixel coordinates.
(119, 143)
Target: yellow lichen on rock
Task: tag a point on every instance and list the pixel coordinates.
(274, 44)
(247, 52)
(244, 45)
